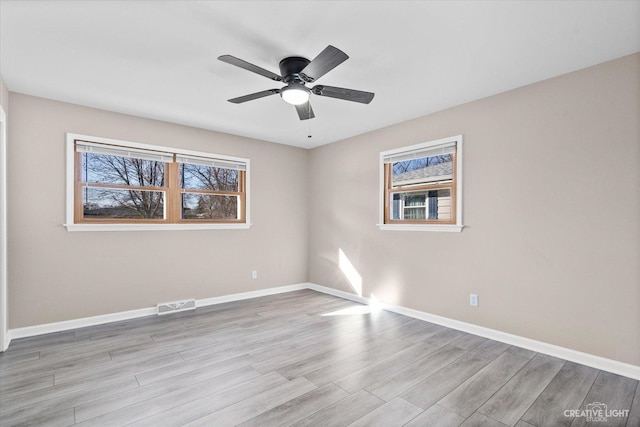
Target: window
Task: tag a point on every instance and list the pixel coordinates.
(117, 185)
(421, 186)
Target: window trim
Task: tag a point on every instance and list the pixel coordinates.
(407, 226)
(155, 225)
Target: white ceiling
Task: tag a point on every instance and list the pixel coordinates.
(157, 59)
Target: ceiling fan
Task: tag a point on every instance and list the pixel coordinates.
(296, 72)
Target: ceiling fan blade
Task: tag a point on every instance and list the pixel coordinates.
(305, 111)
(249, 67)
(253, 96)
(326, 61)
(342, 93)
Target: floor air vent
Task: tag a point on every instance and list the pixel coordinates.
(174, 307)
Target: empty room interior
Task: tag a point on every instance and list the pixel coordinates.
(322, 213)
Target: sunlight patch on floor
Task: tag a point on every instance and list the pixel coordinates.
(374, 305)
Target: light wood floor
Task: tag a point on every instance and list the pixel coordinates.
(301, 358)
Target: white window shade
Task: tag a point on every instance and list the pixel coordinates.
(211, 162)
(439, 150)
(113, 150)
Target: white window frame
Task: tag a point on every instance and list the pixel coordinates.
(70, 177)
(457, 227)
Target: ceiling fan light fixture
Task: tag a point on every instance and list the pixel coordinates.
(295, 94)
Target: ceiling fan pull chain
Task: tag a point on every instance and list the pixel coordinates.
(309, 122)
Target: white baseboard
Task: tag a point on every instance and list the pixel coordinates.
(602, 363)
(47, 328)
(247, 295)
(338, 293)
(609, 365)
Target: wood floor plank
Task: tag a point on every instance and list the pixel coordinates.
(438, 416)
(343, 412)
(293, 365)
(494, 346)
(155, 349)
(203, 406)
(510, 403)
(394, 413)
(427, 331)
(15, 360)
(313, 308)
(249, 343)
(634, 413)
(130, 407)
(471, 394)
(146, 326)
(55, 365)
(91, 347)
(566, 390)
(307, 344)
(328, 347)
(481, 420)
(28, 345)
(385, 320)
(521, 352)
(468, 342)
(209, 325)
(397, 381)
(117, 369)
(444, 337)
(404, 330)
(614, 391)
(341, 368)
(262, 329)
(381, 371)
(256, 405)
(428, 389)
(61, 418)
(38, 404)
(299, 408)
(231, 348)
(215, 367)
(16, 385)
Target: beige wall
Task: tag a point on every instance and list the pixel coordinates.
(551, 205)
(56, 275)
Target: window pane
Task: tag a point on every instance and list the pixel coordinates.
(207, 206)
(199, 177)
(117, 203)
(421, 205)
(107, 169)
(425, 170)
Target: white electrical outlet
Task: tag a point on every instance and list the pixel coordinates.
(254, 274)
(473, 300)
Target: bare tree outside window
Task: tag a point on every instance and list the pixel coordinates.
(420, 163)
(112, 198)
(197, 205)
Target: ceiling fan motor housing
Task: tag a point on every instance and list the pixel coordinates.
(290, 69)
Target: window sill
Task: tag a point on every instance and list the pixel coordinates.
(154, 227)
(422, 227)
